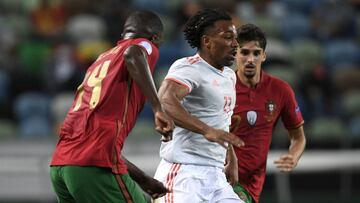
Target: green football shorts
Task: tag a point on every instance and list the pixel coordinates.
(242, 193)
(93, 185)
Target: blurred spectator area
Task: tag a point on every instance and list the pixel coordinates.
(313, 45)
(47, 45)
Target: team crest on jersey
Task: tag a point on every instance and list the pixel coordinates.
(270, 108)
(251, 117)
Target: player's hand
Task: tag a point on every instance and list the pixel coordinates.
(164, 125)
(286, 163)
(154, 188)
(223, 138)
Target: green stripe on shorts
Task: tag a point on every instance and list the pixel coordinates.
(242, 193)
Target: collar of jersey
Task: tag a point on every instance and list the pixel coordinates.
(245, 88)
(210, 66)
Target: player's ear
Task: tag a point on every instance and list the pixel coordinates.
(264, 58)
(206, 41)
(156, 39)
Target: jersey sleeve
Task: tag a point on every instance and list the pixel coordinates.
(152, 53)
(291, 115)
(146, 46)
(185, 75)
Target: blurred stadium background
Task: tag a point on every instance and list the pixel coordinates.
(46, 46)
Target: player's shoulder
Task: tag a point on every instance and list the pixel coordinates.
(183, 63)
(276, 83)
(229, 71)
(148, 46)
(188, 61)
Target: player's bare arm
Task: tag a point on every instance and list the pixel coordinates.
(139, 70)
(288, 162)
(150, 185)
(231, 166)
(171, 93)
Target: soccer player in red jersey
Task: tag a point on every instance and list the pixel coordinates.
(87, 164)
(261, 100)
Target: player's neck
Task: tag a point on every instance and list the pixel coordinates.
(210, 61)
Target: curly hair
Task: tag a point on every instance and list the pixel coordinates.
(196, 26)
(250, 32)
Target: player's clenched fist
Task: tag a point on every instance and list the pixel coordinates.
(164, 125)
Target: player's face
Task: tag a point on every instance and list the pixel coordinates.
(249, 58)
(222, 44)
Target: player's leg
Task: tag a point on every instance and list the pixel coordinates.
(224, 193)
(226, 197)
(59, 186)
(242, 193)
(98, 185)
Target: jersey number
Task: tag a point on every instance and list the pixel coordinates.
(92, 79)
(227, 105)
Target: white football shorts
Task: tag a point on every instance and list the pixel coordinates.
(194, 184)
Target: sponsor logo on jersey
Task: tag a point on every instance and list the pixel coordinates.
(251, 117)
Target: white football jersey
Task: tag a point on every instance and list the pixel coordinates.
(211, 99)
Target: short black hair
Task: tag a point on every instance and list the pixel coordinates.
(197, 24)
(250, 32)
(146, 21)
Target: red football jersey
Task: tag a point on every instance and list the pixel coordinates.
(255, 115)
(103, 112)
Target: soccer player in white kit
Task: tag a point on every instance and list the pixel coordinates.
(199, 94)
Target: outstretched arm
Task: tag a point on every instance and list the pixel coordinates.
(150, 185)
(171, 93)
(138, 67)
(289, 161)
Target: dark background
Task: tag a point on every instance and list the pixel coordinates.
(46, 46)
